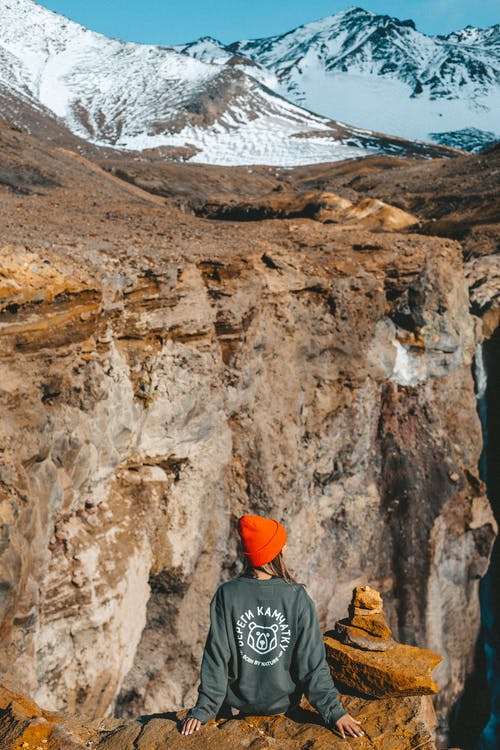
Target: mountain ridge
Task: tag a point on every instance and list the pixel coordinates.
(344, 65)
(132, 96)
(125, 95)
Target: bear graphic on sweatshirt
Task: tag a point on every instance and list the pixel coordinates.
(262, 638)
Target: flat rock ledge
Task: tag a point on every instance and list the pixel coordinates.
(403, 723)
(404, 670)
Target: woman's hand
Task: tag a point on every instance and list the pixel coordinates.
(348, 724)
(190, 726)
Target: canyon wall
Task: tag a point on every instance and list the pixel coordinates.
(322, 375)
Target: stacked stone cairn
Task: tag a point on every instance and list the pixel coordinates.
(366, 659)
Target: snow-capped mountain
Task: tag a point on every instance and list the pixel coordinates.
(210, 50)
(136, 96)
(378, 72)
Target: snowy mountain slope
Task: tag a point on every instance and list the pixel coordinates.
(98, 85)
(137, 96)
(381, 73)
(209, 50)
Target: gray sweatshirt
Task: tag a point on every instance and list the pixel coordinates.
(263, 650)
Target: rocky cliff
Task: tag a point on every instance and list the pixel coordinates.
(160, 374)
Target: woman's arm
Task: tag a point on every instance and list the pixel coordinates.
(214, 670)
(314, 674)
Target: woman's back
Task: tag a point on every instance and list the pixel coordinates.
(262, 622)
(265, 646)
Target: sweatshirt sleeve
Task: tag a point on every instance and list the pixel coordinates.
(214, 666)
(313, 671)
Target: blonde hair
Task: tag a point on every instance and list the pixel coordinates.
(276, 567)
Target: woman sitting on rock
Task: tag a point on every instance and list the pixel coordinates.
(265, 647)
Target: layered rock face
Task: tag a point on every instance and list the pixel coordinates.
(161, 374)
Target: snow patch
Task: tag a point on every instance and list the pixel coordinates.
(480, 372)
(409, 368)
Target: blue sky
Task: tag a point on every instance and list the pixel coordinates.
(174, 21)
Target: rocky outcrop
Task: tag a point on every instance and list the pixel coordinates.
(401, 718)
(364, 657)
(328, 208)
(161, 374)
(391, 724)
(483, 277)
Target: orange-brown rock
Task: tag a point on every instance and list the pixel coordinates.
(375, 624)
(359, 637)
(366, 599)
(366, 626)
(389, 724)
(26, 726)
(365, 657)
(400, 670)
(324, 207)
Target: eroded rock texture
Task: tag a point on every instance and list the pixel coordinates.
(162, 374)
(390, 724)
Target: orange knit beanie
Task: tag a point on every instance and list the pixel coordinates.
(262, 538)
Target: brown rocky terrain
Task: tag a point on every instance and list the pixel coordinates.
(162, 372)
(402, 719)
(447, 203)
(389, 724)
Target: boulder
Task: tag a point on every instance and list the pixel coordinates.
(402, 670)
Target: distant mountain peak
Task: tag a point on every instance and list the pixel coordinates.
(210, 39)
(381, 72)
